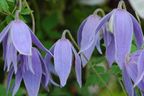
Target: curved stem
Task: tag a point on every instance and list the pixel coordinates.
(32, 16)
(122, 5)
(122, 86)
(72, 39)
(99, 10)
(101, 79)
(19, 9)
(138, 18)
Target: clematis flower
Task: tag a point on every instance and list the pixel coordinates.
(85, 33)
(32, 80)
(131, 73)
(123, 26)
(17, 38)
(63, 52)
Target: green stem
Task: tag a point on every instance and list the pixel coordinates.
(122, 5)
(32, 16)
(99, 10)
(138, 18)
(110, 92)
(19, 9)
(121, 84)
(72, 39)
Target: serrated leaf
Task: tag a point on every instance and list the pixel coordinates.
(4, 6)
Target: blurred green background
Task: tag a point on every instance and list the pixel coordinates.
(52, 17)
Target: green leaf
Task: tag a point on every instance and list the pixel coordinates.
(11, 0)
(26, 11)
(50, 22)
(4, 6)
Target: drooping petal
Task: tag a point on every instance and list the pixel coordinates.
(137, 32)
(107, 36)
(32, 81)
(49, 64)
(87, 34)
(110, 51)
(128, 83)
(63, 59)
(79, 34)
(28, 63)
(14, 58)
(18, 80)
(123, 31)
(98, 27)
(21, 37)
(36, 41)
(9, 79)
(5, 31)
(78, 67)
(89, 30)
(140, 67)
(97, 40)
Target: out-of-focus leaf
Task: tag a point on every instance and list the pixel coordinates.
(50, 22)
(11, 0)
(133, 48)
(4, 6)
(100, 69)
(138, 6)
(115, 70)
(26, 11)
(8, 19)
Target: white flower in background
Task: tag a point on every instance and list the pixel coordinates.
(138, 6)
(92, 2)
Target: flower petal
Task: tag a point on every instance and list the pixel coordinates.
(78, 67)
(140, 66)
(38, 43)
(123, 31)
(18, 80)
(128, 83)
(21, 37)
(79, 35)
(5, 31)
(98, 27)
(63, 59)
(110, 51)
(9, 79)
(32, 81)
(137, 32)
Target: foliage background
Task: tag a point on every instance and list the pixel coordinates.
(52, 17)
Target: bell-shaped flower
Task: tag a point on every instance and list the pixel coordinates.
(17, 38)
(123, 25)
(85, 33)
(32, 70)
(131, 73)
(63, 52)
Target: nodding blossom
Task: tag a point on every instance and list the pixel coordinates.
(133, 73)
(123, 25)
(32, 79)
(85, 33)
(17, 38)
(63, 52)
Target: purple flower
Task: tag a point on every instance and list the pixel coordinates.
(133, 72)
(123, 24)
(32, 76)
(17, 37)
(63, 56)
(85, 33)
